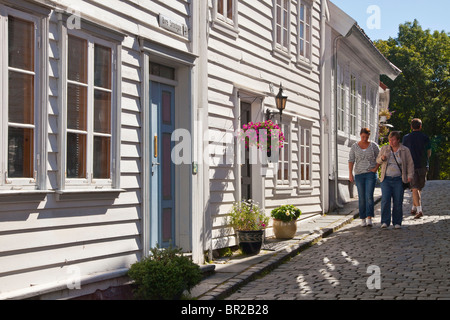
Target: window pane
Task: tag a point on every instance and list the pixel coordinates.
(20, 152)
(21, 98)
(102, 111)
(285, 38)
(102, 67)
(76, 155)
(76, 107)
(77, 59)
(102, 154)
(162, 71)
(220, 6)
(20, 44)
(278, 34)
(230, 9)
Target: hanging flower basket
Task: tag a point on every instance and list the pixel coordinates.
(385, 114)
(264, 135)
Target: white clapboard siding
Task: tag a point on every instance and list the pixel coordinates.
(41, 240)
(249, 61)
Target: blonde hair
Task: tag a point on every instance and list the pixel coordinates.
(395, 134)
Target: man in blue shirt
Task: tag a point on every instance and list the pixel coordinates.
(420, 146)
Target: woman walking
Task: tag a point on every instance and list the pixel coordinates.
(397, 167)
(362, 160)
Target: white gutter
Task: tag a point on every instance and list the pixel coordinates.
(336, 161)
(324, 178)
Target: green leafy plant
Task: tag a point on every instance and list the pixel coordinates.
(247, 216)
(164, 275)
(286, 213)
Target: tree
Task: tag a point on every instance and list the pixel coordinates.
(422, 90)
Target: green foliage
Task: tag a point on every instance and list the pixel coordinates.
(164, 275)
(247, 216)
(422, 90)
(286, 213)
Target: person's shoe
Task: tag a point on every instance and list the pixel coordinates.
(369, 223)
(413, 212)
(363, 223)
(397, 226)
(383, 225)
(418, 215)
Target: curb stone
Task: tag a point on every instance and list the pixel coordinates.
(222, 289)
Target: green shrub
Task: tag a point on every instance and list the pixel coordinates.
(164, 275)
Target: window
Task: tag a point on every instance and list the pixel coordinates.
(89, 110)
(225, 10)
(353, 105)
(284, 160)
(225, 15)
(20, 100)
(341, 99)
(364, 107)
(373, 113)
(282, 22)
(304, 50)
(305, 156)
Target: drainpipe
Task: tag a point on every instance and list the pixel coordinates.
(336, 161)
(324, 179)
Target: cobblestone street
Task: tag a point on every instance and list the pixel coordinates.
(371, 263)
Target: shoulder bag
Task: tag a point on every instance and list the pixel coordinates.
(405, 185)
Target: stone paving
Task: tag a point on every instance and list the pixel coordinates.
(370, 263)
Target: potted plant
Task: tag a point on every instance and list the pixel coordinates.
(248, 221)
(384, 114)
(285, 221)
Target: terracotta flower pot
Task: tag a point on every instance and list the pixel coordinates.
(284, 230)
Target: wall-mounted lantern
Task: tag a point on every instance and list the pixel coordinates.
(280, 101)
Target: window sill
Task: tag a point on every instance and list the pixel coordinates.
(305, 189)
(304, 65)
(281, 54)
(225, 28)
(13, 196)
(283, 190)
(87, 194)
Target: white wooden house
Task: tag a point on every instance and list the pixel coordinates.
(87, 88)
(353, 66)
(116, 118)
(252, 48)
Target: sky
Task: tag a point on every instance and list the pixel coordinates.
(380, 18)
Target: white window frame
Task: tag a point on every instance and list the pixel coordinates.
(304, 132)
(365, 106)
(38, 181)
(222, 23)
(304, 58)
(373, 111)
(341, 99)
(353, 106)
(281, 182)
(89, 182)
(279, 48)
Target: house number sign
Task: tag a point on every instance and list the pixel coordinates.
(173, 26)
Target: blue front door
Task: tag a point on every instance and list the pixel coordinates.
(162, 124)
